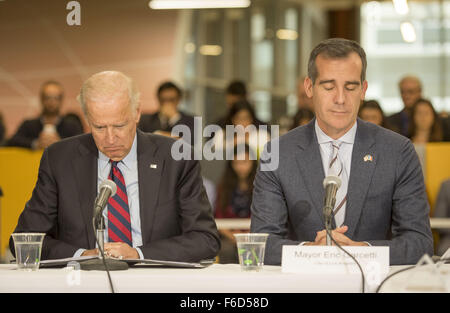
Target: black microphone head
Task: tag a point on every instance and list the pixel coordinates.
(107, 183)
(332, 180)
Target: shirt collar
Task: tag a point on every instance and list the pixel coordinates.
(348, 137)
(128, 161)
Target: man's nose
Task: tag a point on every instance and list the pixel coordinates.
(110, 135)
(339, 96)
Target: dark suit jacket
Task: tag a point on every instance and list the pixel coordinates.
(151, 122)
(176, 217)
(386, 200)
(29, 131)
(399, 122)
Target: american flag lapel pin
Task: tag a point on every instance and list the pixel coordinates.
(368, 158)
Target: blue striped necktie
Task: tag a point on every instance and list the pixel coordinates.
(119, 222)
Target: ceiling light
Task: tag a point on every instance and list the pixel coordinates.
(197, 4)
(210, 50)
(287, 34)
(408, 32)
(401, 6)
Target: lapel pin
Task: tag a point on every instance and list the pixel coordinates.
(153, 166)
(368, 158)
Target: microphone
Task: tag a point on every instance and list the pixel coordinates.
(331, 185)
(107, 190)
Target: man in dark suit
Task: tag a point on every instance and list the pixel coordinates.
(160, 211)
(50, 126)
(382, 199)
(169, 116)
(410, 90)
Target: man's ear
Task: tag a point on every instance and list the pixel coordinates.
(307, 83)
(365, 85)
(138, 113)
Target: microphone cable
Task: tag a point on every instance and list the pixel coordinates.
(349, 254)
(404, 270)
(111, 286)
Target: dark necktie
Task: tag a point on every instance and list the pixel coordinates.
(119, 223)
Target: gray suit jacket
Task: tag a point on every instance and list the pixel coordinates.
(176, 217)
(442, 205)
(386, 200)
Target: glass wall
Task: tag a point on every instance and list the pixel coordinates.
(261, 45)
(410, 42)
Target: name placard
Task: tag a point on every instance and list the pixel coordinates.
(331, 259)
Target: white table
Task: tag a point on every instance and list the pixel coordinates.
(217, 278)
(244, 223)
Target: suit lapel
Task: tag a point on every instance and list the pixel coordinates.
(364, 158)
(149, 175)
(309, 162)
(85, 168)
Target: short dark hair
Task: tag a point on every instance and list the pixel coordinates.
(239, 106)
(237, 87)
(51, 82)
(169, 85)
(336, 48)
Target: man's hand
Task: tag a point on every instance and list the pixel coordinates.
(90, 252)
(338, 236)
(120, 250)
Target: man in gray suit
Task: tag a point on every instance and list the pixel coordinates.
(442, 210)
(382, 199)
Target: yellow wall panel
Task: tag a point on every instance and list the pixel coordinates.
(18, 175)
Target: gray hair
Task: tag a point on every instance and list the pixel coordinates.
(336, 48)
(108, 83)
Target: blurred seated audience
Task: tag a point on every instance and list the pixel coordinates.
(371, 111)
(442, 209)
(425, 125)
(242, 113)
(302, 117)
(236, 91)
(50, 126)
(410, 90)
(445, 118)
(234, 197)
(2, 130)
(168, 116)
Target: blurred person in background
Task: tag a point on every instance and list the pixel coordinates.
(242, 113)
(236, 91)
(442, 209)
(2, 130)
(234, 198)
(410, 90)
(425, 124)
(50, 126)
(445, 118)
(168, 116)
(302, 117)
(371, 111)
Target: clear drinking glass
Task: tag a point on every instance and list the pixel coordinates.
(28, 248)
(251, 248)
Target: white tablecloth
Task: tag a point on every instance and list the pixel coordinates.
(217, 278)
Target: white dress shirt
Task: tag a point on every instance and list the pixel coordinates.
(129, 168)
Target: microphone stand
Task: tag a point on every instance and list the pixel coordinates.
(102, 263)
(328, 214)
